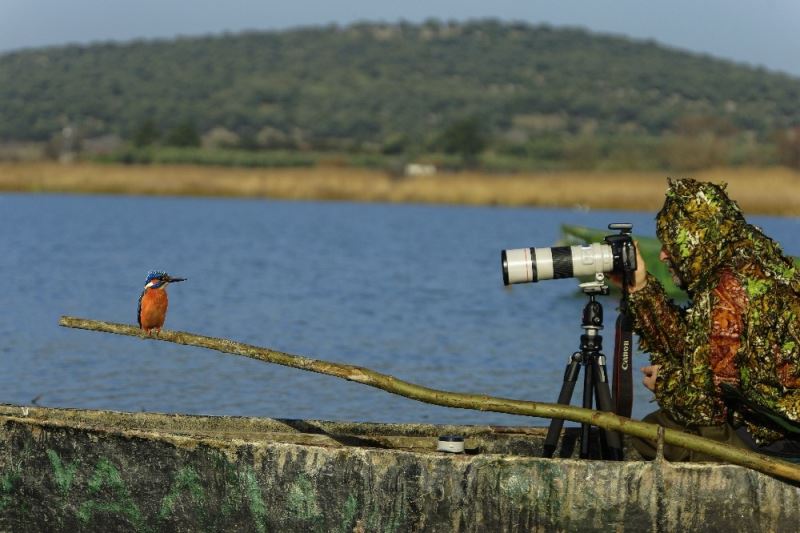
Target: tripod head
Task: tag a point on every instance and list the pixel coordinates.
(593, 311)
(598, 286)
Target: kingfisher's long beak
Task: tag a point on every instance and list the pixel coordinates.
(175, 280)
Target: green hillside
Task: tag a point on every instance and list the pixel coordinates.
(508, 89)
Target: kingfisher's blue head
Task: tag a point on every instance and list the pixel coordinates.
(158, 279)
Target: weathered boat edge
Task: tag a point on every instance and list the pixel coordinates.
(70, 469)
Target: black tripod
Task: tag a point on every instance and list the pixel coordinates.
(595, 382)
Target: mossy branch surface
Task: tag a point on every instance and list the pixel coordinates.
(365, 376)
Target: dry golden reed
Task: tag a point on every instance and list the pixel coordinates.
(773, 191)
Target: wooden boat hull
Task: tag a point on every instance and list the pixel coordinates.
(64, 469)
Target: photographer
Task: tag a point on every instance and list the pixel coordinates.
(726, 367)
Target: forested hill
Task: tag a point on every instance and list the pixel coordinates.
(379, 85)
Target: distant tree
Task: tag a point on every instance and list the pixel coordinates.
(183, 135)
(395, 144)
(692, 153)
(146, 134)
(220, 137)
(788, 145)
(697, 125)
(248, 141)
(582, 152)
(465, 138)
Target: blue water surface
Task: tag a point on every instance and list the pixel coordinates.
(409, 290)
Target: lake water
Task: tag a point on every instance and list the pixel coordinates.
(409, 290)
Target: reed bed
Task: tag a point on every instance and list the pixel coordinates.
(774, 191)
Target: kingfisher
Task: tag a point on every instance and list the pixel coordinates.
(153, 301)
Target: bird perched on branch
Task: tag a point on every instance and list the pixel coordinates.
(153, 302)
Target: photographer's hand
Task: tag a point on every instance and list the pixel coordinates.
(650, 375)
(639, 277)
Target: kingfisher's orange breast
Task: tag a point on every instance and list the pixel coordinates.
(154, 308)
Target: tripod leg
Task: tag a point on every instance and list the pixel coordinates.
(612, 438)
(553, 432)
(588, 387)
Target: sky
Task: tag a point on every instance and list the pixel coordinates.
(763, 33)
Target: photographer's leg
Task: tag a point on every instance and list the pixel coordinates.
(723, 433)
(647, 448)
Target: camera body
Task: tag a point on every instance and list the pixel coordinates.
(616, 254)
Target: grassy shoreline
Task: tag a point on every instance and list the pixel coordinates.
(772, 191)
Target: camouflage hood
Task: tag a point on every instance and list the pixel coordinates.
(701, 229)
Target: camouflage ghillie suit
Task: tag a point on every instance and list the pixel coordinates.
(742, 327)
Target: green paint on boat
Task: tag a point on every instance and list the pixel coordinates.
(187, 481)
(302, 501)
(349, 514)
(7, 483)
(106, 479)
(254, 499)
(63, 474)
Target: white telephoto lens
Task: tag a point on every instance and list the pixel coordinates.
(592, 259)
(525, 265)
(518, 266)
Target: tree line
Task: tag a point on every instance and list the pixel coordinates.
(483, 92)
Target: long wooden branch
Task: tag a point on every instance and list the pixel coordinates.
(393, 385)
